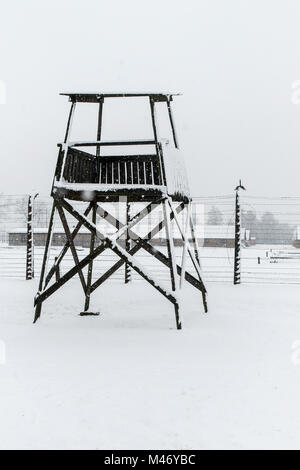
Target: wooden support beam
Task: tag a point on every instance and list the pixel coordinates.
(157, 145)
(99, 132)
(192, 256)
(172, 123)
(99, 126)
(45, 259)
(67, 137)
(143, 243)
(194, 240)
(139, 269)
(122, 228)
(113, 269)
(110, 243)
(57, 270)
(90, 269)
(172, 260)
(65, 248)
(72, 246)
(127, 244)
(136, 248)
(41, 297)
(109, 143)
(184, 250)
(164, 259)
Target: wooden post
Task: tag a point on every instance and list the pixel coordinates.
(94, 211)
(194, 238)
(237, 238)
(57, 269)
(67, 137)
(157, 145)
(175, 140)
(99, 132)
(184, 249)
(127, 244)
(45, 262)
(64, 250)
(193, 258)
(172, 258)
(90, 268)
(71, 244)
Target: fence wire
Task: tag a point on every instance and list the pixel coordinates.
(270, 239)
(274, 256)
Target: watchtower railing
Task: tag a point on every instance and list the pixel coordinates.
(83, 167)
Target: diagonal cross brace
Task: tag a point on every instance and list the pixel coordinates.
(192, 256)
(142, 243)
(133, 221)
(185, 240)
(110, 243)
(71, 244)
(41, 296)
(65, 249)
(157, 254)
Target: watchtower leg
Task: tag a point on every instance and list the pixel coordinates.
(127, 245)
(172, 258)
(194, 238)
(38, 307)
(99, 132)
(185, 248)
(90, 268)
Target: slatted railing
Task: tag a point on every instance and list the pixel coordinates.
(83, 167)
(80, 167)
(133, 169)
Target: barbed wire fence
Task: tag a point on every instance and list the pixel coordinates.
(269, 235)
(274, 224)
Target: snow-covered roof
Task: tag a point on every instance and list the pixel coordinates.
(94, 97)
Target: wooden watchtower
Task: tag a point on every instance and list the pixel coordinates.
(85, 173)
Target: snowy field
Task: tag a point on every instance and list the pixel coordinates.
(128, 379)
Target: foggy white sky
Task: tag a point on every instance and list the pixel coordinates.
(233, 60)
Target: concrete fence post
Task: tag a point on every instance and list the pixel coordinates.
(237, 237)
(29, 245)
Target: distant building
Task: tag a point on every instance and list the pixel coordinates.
(221, 236)
(296, 238)
(18, 237)
(207, 236)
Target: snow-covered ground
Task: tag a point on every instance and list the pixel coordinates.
(128, 379)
